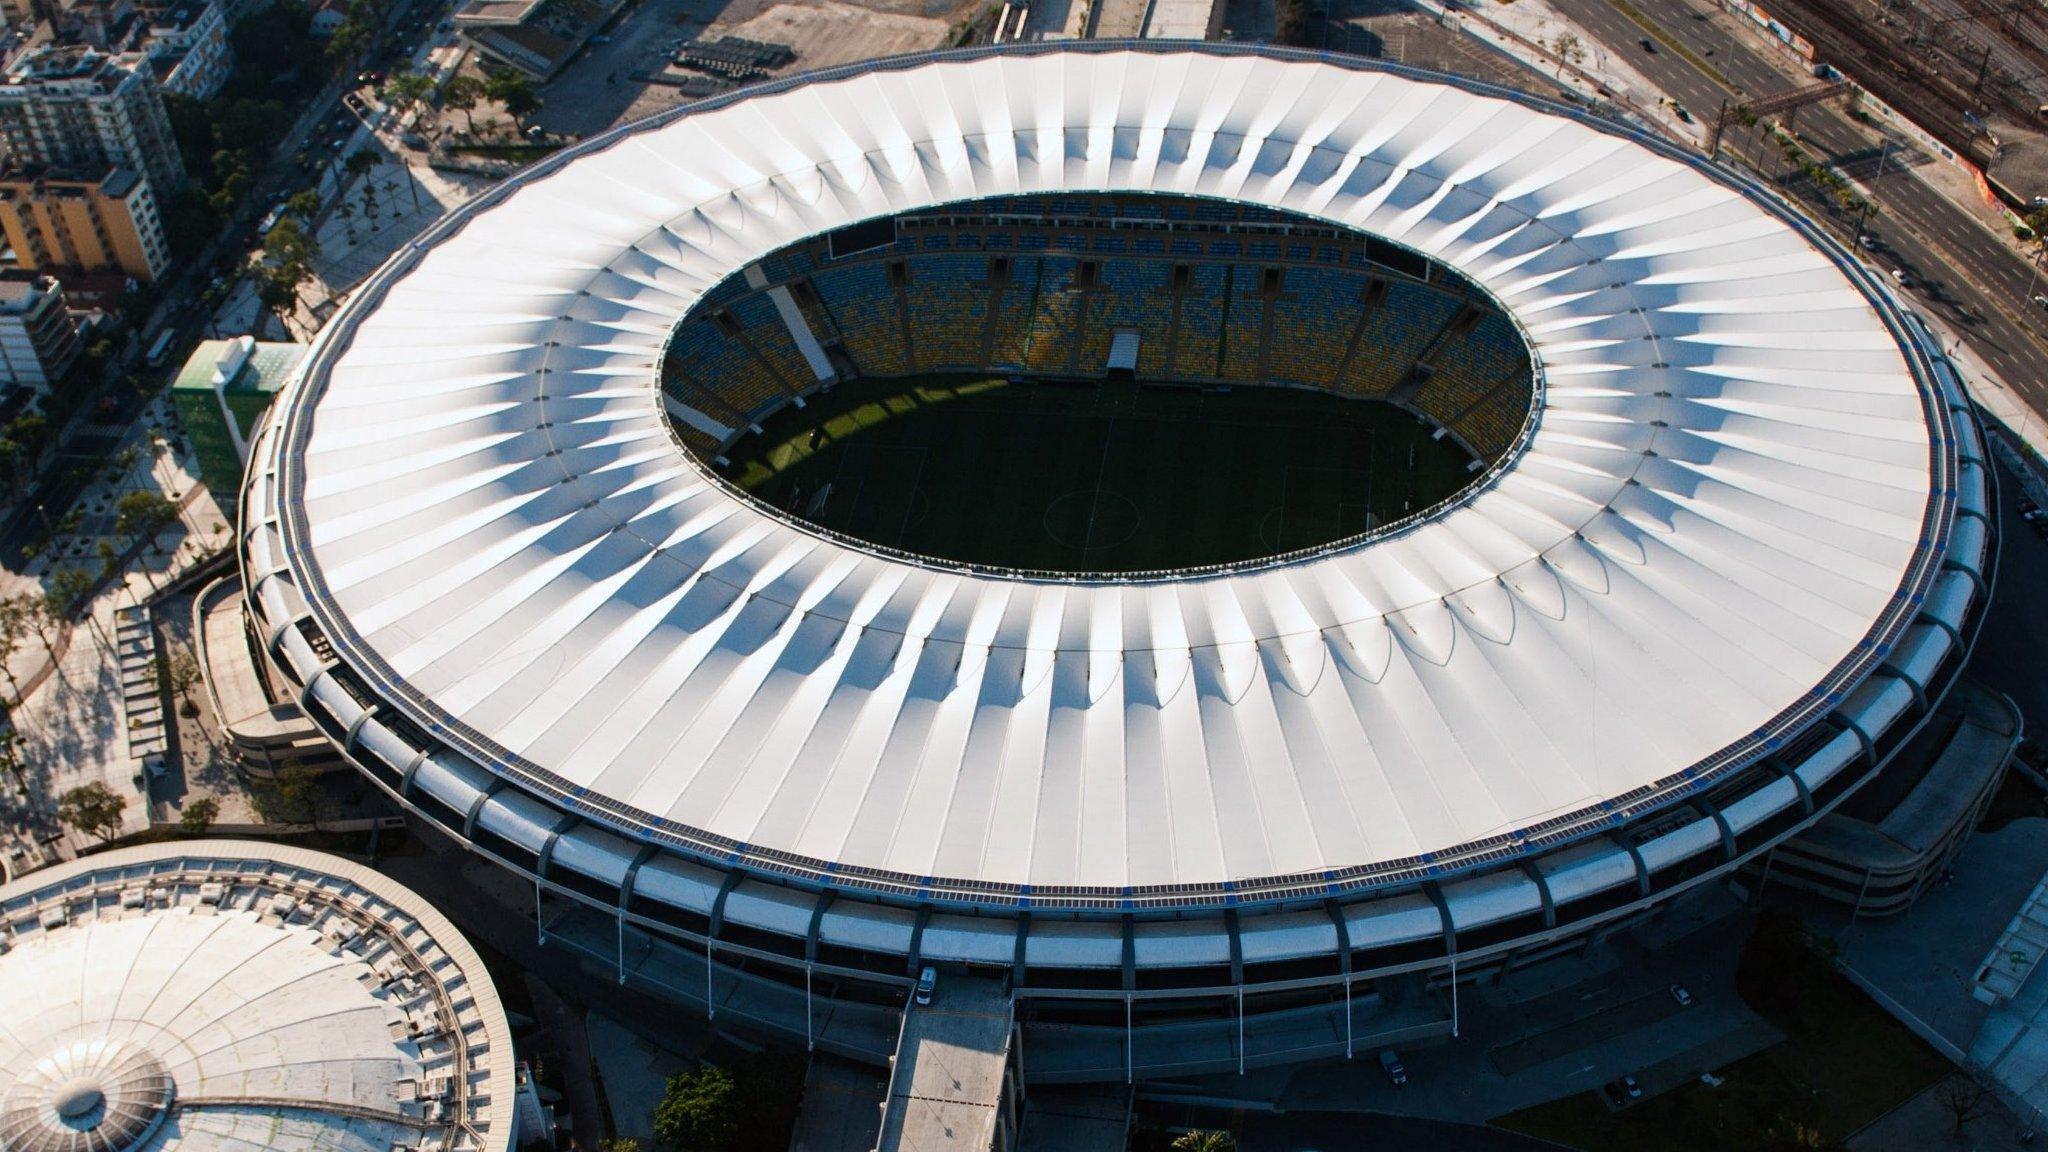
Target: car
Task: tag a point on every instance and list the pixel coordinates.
(600, 39)
(1390, 1063)
(1649, 45)
(1868, 241)
(1679, 111)
(927, 980)
(2041, 300)
(1683, 997)
(1901, 278)
(1629, 1086)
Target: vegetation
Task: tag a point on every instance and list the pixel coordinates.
(1205, 1140)
(182, 674)
(747, 1106)
(93, 809)
(1844, 1063)
(290, 796)
(67, 592)
(288, 255)
(619, 1144)
(144, 513)
(278, 67)
(514, 92)
(463, 93)
(198, 817)
(1297, 22)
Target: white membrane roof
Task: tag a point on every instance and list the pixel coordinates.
(1722, 509)
(214, 996)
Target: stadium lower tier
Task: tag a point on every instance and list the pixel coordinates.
(1115, 983)
(1070, 287)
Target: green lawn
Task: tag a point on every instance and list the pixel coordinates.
(1094, 477)
(1845, 1062)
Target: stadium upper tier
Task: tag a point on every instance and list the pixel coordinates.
(1206, 292)
(1729, 564)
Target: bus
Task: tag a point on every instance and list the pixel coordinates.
(161, 348)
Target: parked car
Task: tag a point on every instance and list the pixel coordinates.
(1633, 1089)
(1683, 997)
(927, 980)
(1390, 1063)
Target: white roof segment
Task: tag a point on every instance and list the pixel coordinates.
(1724, 494)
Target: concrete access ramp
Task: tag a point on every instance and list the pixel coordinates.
(952, 1081)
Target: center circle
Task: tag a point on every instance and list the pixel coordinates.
(1092, 519)
(1099, 383)
(79, 1098)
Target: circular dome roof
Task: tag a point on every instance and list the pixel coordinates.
(1718, 525)
(99, 1094)
(211, 997)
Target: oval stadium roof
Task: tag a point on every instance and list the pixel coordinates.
(1715, 529)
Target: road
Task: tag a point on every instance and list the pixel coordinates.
(1960, 273)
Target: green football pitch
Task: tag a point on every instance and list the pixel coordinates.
(1094, 477)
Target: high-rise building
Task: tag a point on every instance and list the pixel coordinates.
(56, 221)
(39, 340)
(73, 107)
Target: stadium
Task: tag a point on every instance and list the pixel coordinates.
(1226, 543)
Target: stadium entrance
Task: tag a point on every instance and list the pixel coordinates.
(1107, 384)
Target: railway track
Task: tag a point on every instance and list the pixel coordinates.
(1846, 38)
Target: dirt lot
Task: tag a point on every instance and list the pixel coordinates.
(622, 79)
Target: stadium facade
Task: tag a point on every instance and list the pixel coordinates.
(1728, 555)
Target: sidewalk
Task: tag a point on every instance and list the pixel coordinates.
(70, 720)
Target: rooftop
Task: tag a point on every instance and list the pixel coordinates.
(220, 995)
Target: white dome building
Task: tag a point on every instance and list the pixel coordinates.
(1730, 550)
(218, 996)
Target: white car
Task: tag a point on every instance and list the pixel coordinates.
(926, 981)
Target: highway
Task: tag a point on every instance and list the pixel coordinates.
(1959, 272)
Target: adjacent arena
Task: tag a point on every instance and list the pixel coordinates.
(218, 995)
(694, 526)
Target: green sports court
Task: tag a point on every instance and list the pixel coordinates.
(1094, 476)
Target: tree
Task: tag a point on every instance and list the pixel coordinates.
(463, 94)
(1569, 51)
(1205, 1140)
(14, 631)
(198, 817)
(144, 513)
(33, 612)
(1964, 1100)
(618, 1144)
(295, 784)
(407, 90)
(515, 92)
(362, 160)
(182, 674)
(93, 809)
(67, 592)
(288, 255)
(699, 1111)
(305, 204)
